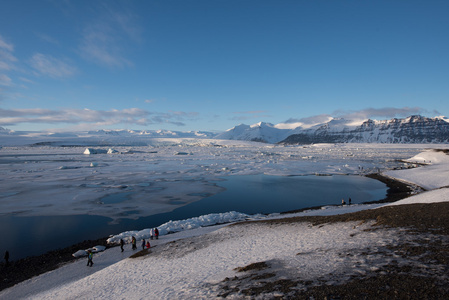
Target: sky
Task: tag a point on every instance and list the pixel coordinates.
(213, 64)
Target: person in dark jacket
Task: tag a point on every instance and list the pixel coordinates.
(122, 243)
(143, 244)
(133, 242)
(90, 256)
(156, 233)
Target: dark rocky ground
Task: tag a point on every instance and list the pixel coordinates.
(390, 282)
(29, 267)
(426, 278)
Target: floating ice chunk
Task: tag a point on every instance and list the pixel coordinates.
(99, 248)
(112, 151)
(80, 253)
(90, 151)
(93, 165)
(183, 153)
(94, 151)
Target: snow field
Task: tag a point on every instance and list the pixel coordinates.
(432, 176)
(193, 269)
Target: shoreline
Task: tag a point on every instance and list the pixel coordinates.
(26, 268)
(397, 190)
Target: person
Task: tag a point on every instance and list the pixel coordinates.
(122, 243)
(343, 202)
(90, 255)
(156, 233)
(151, 233)
(349, 201)
(143, 244)
(7, 258)
(133, 242)
(148, 245)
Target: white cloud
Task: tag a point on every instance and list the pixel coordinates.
(51, 66)
(385, 112)
(5, 80)
(7, 60)
(104, 41)
(310, 120)
(5, 45)
(357, 116)
(26, 80)
(92, 118)
(99, 46)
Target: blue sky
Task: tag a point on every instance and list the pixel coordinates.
(210, 65)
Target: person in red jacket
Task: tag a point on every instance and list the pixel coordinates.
(156, 233)
(148, 245)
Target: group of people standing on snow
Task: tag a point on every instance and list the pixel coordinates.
(154, 233)
(343, 202)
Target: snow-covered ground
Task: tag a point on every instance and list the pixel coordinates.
(191, 264)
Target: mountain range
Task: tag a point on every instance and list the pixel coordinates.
(413, 129)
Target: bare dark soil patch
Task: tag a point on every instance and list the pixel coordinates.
(255, 266)
(393, 281)
(418, 217)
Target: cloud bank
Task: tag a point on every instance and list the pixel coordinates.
(92, 118)
(82, 119)
(386, 112)
(364, 114)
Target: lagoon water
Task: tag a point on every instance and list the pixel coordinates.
(251, 194)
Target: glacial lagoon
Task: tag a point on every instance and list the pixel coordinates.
(250, 194)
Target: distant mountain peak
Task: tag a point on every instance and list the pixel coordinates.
(262, 124)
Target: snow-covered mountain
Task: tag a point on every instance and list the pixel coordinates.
(260, 132)
(413, 129)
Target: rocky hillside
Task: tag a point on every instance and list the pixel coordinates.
(414, 129)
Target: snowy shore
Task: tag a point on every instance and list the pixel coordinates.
(200, 263)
